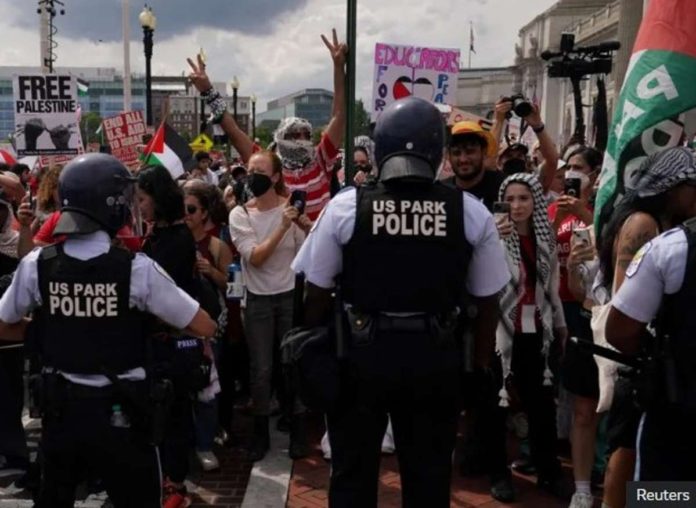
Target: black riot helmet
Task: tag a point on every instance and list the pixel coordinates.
(96, 193)
(409, 140)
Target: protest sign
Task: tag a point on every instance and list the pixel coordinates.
(46, 110)
(402, 71)
(124, 133)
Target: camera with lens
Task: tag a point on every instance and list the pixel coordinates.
(520, 105)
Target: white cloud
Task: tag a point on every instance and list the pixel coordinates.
(291, 56)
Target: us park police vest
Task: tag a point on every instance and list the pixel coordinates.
(676, 325)
(86, 325)
(408, 252)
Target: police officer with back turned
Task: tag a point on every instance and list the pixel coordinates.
(89, 299)
(660, 287)
(404, 250)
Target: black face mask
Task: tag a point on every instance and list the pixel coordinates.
(258, 184)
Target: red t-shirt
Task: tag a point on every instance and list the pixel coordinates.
(314, 179)
(45, 234)
(527, 281)
(563, 236)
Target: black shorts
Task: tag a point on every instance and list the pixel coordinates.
(624, 417)
(579, 374)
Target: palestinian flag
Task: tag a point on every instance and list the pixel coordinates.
(7, 158)
(170, 150)
(658, 90)
(82, 87)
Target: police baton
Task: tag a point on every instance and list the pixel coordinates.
(609, 354)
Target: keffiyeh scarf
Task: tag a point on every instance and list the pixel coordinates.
(511, 294)
(661, 172)
(9, 238)
(294, 154)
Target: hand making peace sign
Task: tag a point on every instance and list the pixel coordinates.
(198, 77)
(338, 50)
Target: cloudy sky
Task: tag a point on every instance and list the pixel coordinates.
(273, 46)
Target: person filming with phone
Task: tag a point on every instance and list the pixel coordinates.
(268, 231)
(573, 211)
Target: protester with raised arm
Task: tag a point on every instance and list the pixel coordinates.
(305, 167)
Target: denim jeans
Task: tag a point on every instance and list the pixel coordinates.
(206, 415)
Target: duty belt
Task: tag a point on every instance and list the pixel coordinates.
(419, 323)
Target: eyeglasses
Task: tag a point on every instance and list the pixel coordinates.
(191, 209)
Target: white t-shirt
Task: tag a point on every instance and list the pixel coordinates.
(249, 228)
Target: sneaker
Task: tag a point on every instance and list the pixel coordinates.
(581, 500)
(524, 466)
(326, 446)
(174, 496)
(503, 491)
(208, 461)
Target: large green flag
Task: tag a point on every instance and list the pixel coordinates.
(659, 87)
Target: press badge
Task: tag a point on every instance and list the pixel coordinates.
(529, 319)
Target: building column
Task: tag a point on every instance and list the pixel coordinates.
(630, 16)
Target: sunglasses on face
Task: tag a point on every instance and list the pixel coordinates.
(299, 135)
(191, 209)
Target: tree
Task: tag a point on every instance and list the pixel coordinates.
(316, 134)
(265, 136)
(89, 124)
(361, 119)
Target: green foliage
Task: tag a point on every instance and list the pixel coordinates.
(89, 125)
(361, 119)
(265, 136)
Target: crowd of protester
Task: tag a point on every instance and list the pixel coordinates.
(242, 214)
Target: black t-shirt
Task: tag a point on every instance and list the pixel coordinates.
(174, 249)
(486, 190)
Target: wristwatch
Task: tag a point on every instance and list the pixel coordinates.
(539, 129)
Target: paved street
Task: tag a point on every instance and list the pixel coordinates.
(276, 482)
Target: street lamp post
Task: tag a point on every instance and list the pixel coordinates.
(204, 121)
(253, 117)
(149, 22)
(235, 86)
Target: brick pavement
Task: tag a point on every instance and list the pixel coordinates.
(224, 488)
(221, 489)
(310, 480)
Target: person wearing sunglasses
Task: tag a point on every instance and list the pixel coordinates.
(212, 259)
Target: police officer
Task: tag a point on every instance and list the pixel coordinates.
(660, 287)
(404, 250)
(89, 299)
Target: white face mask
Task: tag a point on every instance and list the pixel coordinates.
(584, 179)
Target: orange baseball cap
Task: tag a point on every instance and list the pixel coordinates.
(469, 127)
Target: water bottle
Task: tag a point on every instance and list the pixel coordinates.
(235, 286)
(118, 418)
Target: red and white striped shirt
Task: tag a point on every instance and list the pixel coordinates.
(315, 179)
